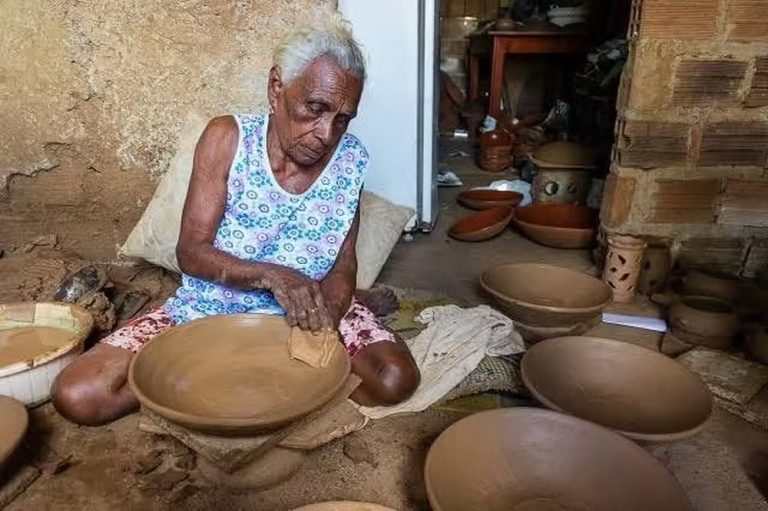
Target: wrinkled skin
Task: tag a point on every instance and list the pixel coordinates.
(310, 115)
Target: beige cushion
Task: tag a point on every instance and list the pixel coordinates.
(155, 235)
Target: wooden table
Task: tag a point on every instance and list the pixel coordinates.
(518, 42)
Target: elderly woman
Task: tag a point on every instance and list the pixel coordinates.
(270, 225)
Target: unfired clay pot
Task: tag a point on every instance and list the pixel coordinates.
(657, 264)
(623, 264)
(545, 295)
(483, 225)
(565, 155)
(708, 283)
(232, 375)
(561, 186)
(532, 459)
(641, 394)
(705, 321)
(486, 199)
(558, 225)
(13, 425)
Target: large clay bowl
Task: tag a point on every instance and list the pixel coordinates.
(558, 225)
(705, 321)
(531, 459)
(13, 425)
(481, 226)
(485, 199)
(546, 295)
(232, 375)
(633, 390)
(344, 506)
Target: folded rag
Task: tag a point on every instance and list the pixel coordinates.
(451, 347)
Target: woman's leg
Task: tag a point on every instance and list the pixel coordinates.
(94, 389)
(384, 364)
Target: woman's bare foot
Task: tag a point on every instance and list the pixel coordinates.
(382, 301)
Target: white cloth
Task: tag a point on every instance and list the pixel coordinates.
(451, 347)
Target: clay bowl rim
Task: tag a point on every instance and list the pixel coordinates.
(7, 402)
(500, 225)
(555, 227)
(515, 199)
(644, 437)
(596, 309)
(225, 424)
(545, 414)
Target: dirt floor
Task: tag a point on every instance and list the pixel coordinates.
(112, 467)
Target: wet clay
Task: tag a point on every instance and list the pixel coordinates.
(532, 459)
(29, 342)
(558, 225)
(638, 392)
(482, 226)
(315, 349)
(13, 425)
(546, 295)
(232, 375)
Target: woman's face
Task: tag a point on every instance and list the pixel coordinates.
(313, 112)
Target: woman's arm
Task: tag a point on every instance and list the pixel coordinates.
(299, 295)
(338, 286)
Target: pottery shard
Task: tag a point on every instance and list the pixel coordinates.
(702, 81)
(314, 349)
(358, 451)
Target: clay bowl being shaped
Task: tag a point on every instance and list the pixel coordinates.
(481, 226)
(639, 393)
(485, 199)
(705, 321)
(546, 295)
(533, 459)
(13, 425)
(232, 375)
(558, 225)
(344, 506)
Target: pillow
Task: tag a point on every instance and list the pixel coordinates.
(155, 235)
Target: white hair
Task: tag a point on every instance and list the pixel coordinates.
(330, 35)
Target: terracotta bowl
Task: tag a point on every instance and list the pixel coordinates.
(633, 390)
(344, 506)
(481, 226)
(13, 425)
(558, 225)
(232, 375)
(533, 459)
(485, 199)
(705, 321)
(546, 295)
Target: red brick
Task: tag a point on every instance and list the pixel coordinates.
(648, 145)
(758, 91)
(747, 19)
(734, 144)
(685, 201)
(704, 81)
(721, 254)
(618, 194)
(679, 19)
(745, 202)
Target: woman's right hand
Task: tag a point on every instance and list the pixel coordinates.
(299, 296)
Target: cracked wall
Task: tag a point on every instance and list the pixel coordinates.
(93, 94)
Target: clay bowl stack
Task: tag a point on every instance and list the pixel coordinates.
(485, 199)
(639, 393)
(558, 225)
(232, 375)
(526, 459)
(545, 295)
(483, 225)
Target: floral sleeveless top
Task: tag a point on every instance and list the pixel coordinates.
(264, 223)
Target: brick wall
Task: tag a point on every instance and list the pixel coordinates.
(691, 155)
